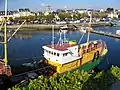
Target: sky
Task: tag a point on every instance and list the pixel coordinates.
(37, 5)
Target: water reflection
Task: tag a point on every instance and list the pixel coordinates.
(117, 40)
(21, 36)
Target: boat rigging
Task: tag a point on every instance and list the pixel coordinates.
(5, 69)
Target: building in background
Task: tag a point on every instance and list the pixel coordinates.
(81, 10)
(2, 14)
(17, 13)
(113, 15)
(23, 12)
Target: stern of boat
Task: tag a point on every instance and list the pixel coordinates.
(5, 70)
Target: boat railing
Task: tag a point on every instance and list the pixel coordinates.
(91, 47)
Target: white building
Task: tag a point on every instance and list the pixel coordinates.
(23, 12)
(2, 15)
(18, 13)
(102, 10)
(118, 10)
(81, 10)
(113, 15)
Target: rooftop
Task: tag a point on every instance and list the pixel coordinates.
(62, 47)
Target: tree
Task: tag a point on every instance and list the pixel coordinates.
(83, 15)
(95, 15)
(103, 15)
(119, 16)
(109, 9)
(99, 15)
(31, 18)
(75, 16)
(49, 16)
(61, 15)
(79, 16)
(11, 18)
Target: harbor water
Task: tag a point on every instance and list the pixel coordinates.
(26, 46)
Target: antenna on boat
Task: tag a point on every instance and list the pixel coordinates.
(65, 36)
(52, 36)
(88, 38)
(60, 42)
(65, 29)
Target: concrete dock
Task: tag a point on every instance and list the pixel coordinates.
(106, 34)
(49, 26)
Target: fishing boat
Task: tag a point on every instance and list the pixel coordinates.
(68, 56)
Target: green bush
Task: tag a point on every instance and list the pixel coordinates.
(75, 81)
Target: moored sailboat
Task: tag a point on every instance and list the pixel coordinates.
(5, 69)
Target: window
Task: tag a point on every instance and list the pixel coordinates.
(49, 52)
(54, 53)
(46, 51)
(58, 54)
(65, 54)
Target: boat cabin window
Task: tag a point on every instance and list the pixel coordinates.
(54, 53)
(58, 54)
(49, 52)
(65, 54)
(46, 51)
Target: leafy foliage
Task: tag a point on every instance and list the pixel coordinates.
(110, 9)
(75, 81)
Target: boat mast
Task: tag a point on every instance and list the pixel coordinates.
(5, 36)
(64, 36)
(60, 40)
(88, 38)
(52, 36)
